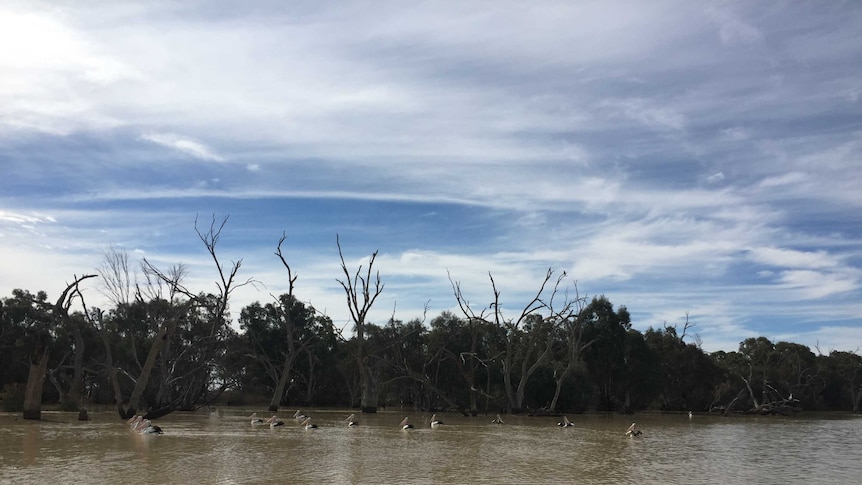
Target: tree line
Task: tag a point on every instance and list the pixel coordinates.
(161, 347)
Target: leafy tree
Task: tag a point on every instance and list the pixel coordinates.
(687, 376)
(606, 357)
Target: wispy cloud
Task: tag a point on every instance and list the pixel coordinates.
(673, 155)
(182, 144)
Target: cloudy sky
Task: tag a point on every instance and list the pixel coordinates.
(700, 158)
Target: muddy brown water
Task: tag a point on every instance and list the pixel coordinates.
(222, 447)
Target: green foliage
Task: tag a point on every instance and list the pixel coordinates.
(13, 398)
(449, 363)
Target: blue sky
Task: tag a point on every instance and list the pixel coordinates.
(697, 158)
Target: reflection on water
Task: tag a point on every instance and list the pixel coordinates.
(224, 448)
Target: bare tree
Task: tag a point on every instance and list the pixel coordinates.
(361, 290)
(528, 336)
(294, 346)
(572, 328)
(197, 381)
(59, 315)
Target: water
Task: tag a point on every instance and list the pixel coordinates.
(224, 448)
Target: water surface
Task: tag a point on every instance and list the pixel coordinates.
(222, 447)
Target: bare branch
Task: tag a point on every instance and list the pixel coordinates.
(116, 276)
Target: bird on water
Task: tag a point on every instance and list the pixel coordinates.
(274, 422)
(633, 431)
(434, 421)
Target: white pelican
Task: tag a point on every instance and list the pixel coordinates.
(134, 421)
(308, 425)
(147, 427)
(690, 415)
(351, 421)
(434, 421)
(274, 422)
(633, 430)
(255, 419)
(299, 416)
(565, 423)
(497, 420)
(405, 425)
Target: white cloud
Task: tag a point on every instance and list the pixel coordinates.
(790, 178)
(660, 145)
(817, 284)
(790, 258)
(184, 145)
(715, 178)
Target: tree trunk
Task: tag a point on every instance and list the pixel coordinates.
(77, 384)
(370, 384)
(112, 374)
(507, 384)
(559, 387)
(857, 403)
(278, 394)
(33, 391)
(144, 378)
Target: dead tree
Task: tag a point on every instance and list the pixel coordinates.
(59, 315)
(293, 344)
(525, 350)
(361, 290)
(197, 381)
(572, 328)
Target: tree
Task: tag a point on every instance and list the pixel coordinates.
(570, 345)
(361, 291)
(606, 357)
(276, 340)
(687, 376)
(528, 337)
(464, 345)
(292, 344)
(43, 322)
(845, 371)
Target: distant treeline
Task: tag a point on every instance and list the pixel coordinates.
(593, 361)
(161, 347)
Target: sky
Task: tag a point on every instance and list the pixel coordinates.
(697, 160)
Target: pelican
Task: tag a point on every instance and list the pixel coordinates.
(307, 424)
(147, 427)
(633, 430)
(255, 419)
(434, 421)
(134, 421)
(299, 416)
(565, 423)
(405, 425)
(690, 415)
(274, 422)
(497, 420)
(350, 421)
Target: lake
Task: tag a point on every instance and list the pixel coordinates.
(222, 447)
